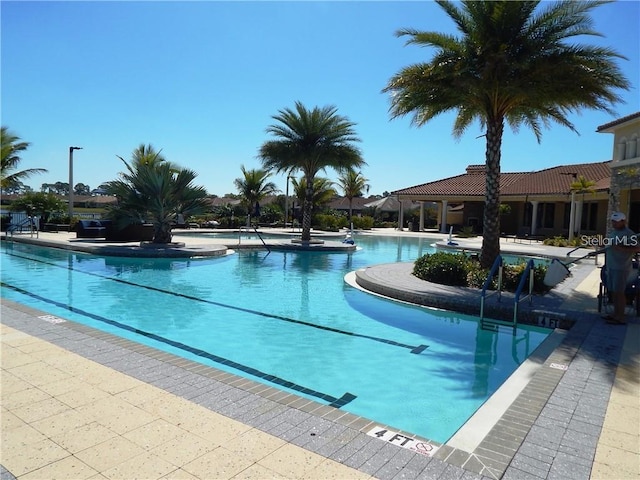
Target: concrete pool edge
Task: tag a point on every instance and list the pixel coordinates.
(474, 431)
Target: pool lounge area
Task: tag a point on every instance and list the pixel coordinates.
(560, 404)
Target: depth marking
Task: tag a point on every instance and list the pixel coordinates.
(559, 366)
(51, 319)
(418, 446)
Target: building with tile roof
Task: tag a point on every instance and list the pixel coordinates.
(625, 167)
(545, 203)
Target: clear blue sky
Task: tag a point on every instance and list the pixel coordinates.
(201, 80)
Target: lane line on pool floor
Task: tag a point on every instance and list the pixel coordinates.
(332, 401)
(414, 349)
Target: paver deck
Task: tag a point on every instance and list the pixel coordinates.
(79, 403)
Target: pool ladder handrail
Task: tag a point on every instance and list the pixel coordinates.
(27, 222)
(529, 270)
(261, 239)
(495, 268)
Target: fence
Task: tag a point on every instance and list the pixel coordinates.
(19, 217)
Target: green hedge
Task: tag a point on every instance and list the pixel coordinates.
(362, 223)
(459, 270)
(444, 268)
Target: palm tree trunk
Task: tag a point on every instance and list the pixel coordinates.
(162, 233)
(491, 221)
(307, 208)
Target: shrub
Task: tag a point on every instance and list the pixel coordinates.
(442, 267)
(466, 232)
(556, 241)
(326, 222)
(362, 223)
(511, 275)
(458, 270)
(559, 241)
(477, 275)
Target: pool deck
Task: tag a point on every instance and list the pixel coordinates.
(80, 403)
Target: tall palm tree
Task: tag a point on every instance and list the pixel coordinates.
(11, 147)
(155, 190)
(512, 63)
(253, 186)
(353, 185)
(310, 141)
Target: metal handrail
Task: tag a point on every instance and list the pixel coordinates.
(29, 221)
(496, 267)
(529, 270)
(261, 239)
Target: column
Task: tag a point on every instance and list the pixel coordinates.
(401, 216)
(421, 216)
(534, 216)
(443, 216)
(572, 215)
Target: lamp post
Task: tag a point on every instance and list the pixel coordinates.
(71, 149)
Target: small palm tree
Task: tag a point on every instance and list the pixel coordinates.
(353, 185)
(511, 64)
(628, 177)
(11, 148)
(153, 189)
(253, 187)
(310, 141)
(581, 185)
(323, 191)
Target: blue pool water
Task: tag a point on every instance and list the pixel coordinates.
(287, 319)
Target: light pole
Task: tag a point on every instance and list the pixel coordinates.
(71, 149)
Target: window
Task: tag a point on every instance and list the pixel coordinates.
(589, 220)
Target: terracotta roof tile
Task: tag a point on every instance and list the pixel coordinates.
(619, 121)
(555, 180)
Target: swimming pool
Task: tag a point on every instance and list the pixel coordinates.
(287, 319)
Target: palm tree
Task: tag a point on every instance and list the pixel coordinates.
(353, 185)
(310, 141)
(628, 176)
(323, 191)
(511, 64)
(581, 185)
(253, 187)
(144, 155)
(155, 190)
(11, 149)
